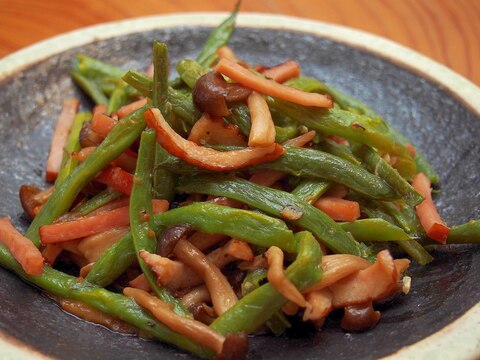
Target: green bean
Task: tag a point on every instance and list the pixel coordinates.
(117, 99)
(318, 164)
(72, 145)
(190, 71)
(401, 218)
(284, 133)
(102, 198)
(349, 103)
(372, 211)
(310, 190)
(416, 251)
(468, 233)
(252, 227)
(374, 230)
(402, 215)
(93, 68)
(141, 82)
(160, 76)
(141, 206)
(182, 105)
(90, 88)
(278, 323)
(424, 166)
(113, 262)
(163, 179)
(218, 37)
(121, 307)
(107, 87)
(339, 150)
(253, 310)
(240, 116)
(118, 139)
(276, 202)
(377, 165)
(358, 128)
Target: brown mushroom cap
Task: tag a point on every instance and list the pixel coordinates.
(360, 317)
(211, 93)
(26, 194)
(169, 238)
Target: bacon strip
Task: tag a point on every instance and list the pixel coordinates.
(59, 139)
(270, 87)
(431, 221)
(283, 72)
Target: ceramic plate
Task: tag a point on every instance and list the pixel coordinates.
(437, 109)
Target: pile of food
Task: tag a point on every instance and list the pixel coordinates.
(232, 200)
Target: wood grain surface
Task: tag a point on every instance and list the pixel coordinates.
(447, 31)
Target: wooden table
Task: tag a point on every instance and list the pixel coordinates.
(445, 30)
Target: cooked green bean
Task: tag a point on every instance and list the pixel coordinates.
(182, 105)
(190, 71)
(90, 88)
(102, 198)
(278, 323)
(416, 251)
(348, 103)
(310, 190)
(284, 133)
(218, 37)
(318, 164)
(402, 215)
(117, 99)
(377, 165)
(141, 82)
(163, 180)
(143, 235)
(279, 204)
(468, 233)
(240, 116)
(340, 150)
(374, 230)
(342, 123)
(72, 145)
(95, 68)
(160, 76)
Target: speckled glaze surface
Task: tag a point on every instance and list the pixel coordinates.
(445, 129)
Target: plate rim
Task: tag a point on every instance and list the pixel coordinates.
(463, 343)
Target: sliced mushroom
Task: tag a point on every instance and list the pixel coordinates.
(360, 317)
(211, 94)
(26, 194)
(169, 238)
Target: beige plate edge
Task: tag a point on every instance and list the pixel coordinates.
(461, 338)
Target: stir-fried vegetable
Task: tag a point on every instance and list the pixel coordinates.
(316, 193)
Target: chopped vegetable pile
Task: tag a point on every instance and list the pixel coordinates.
(225, 202)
